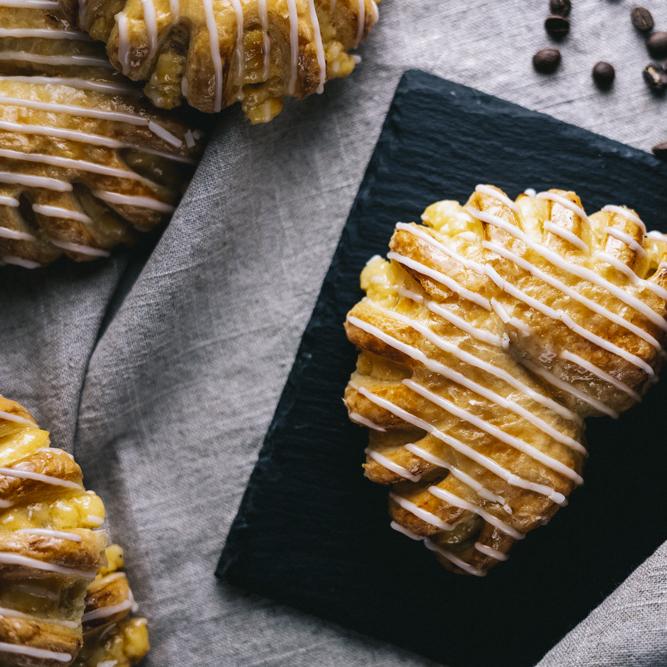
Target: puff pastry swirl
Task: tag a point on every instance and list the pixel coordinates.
(486, 337)
(213, 53)
(84, 163)
(63, 595)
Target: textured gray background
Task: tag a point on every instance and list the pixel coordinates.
(165, 395)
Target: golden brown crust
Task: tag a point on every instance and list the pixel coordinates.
(84, 162)
(179, 62)
(493, 330)
(58, 577)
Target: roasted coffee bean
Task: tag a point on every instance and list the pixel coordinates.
(546, 61)
(655, 77)
(604, 75)
(557, 26)
(560, 7)
(660, 150)
(642, 19)
(657, 44)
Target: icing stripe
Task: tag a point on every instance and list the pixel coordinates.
(58, 212)
(572, 293)
(37, 653)
(491, 552)
(466, 450)
(9, 201)
(35, 181)
(566, 235)
(81, 249)
(105, 612)
(150, 20)
(456, 501)
(72, 60)
(133, 200)
(565, 203)
(595, 370)
(58, 534)
(13, 613)
(455, 376)
(361, 21)
(266, 39)
(38, 477)
(10, 417)
(73, 82)
(319, 47)
(30, 4)
(626, 213)
(15, 235)
(26, 264)
(440, 277)
(424, 515)
(360, 419)
(44, 33)
(626, 238)
(8, 558)
(391, 465)
(500, 196)
(239, 51)
(122, 25)
(214, 49)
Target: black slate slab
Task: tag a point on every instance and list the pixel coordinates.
(312, 532)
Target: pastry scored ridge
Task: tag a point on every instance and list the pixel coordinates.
(84, 163)
(213, 53)
(64, 599)
(487, 337)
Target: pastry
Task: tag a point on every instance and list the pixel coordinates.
(486, 337)
(61, 583)
(213, 53)
(84, 164)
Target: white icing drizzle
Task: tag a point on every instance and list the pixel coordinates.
(174, 7)
(464, 477)
(564, 317)
(566, 235)
(424, 236)
(360, 419)
(69, 163)
(30, 4)
(37, 653)
(214, 47)
(122, 24)
(38, 477)
(35, 181)
(502, 313)
(490, 551)
(565, 203)
(319, 47)
(572, 293)
(495, 432)
(150, 20)
(73, 82)
(13, 613)
(133, 200)
(568, 388)
(500, 196)
(105, 612)
(626, 238)
(9, 201)
(59, 212)
(603, 375)
(446, 314)
(391, 465)
(443, 279)
(455, 376)
(26, 264)
(10, 417)
(571, 267)
(71, 60)
(239, 52)
(424, 515)
(456, 501)
(294, 44)
(626, 213)
(266, 39)
(361, 21)
(58, 534)
(15, 235)
(81, 249)
(462, 448)
(8, 558)
(86, 112)
(94, 520)
(44, 33)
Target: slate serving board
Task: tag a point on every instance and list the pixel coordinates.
(313, 533)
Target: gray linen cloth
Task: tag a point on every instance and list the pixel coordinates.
(162, 373)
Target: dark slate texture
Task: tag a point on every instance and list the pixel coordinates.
(313, 533)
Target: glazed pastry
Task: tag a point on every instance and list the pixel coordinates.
(84, 164)
(61, 584)
(485, 338)
(213, 53)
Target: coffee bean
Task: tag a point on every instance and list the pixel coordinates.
(657, 44)
(560, 7)
(546, 61)
(557, 26)
(642, 19)
(604, 75)
(660, 150)
(655, 77)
